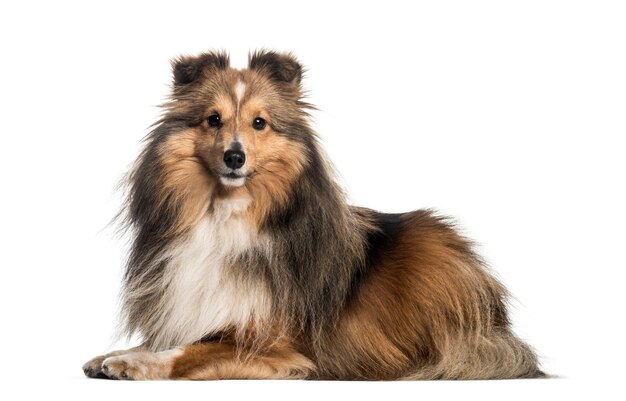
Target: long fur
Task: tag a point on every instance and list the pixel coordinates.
(358, 293)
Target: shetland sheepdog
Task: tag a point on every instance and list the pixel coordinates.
(248, 263)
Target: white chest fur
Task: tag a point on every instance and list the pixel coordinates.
(202, 295)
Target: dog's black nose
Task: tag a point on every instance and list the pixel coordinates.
(234, 159)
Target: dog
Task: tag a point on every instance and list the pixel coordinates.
(248, 263)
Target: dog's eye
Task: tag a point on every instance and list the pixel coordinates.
(258, 123)
(214, 120)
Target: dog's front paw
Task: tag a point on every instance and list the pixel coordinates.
(133, 365)
(93, 368)
(124, 367)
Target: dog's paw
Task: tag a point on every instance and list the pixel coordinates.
(124, 367)
(93, 368)
(133, 365)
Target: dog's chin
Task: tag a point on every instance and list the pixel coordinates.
(232, 180)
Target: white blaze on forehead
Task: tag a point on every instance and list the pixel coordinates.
(240, 89)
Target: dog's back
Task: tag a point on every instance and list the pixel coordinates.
(424, 308)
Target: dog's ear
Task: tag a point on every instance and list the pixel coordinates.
(282, 68)
(187, 69)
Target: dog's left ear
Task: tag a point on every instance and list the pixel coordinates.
(282, 68)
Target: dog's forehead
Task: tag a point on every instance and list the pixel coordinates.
(237, 93)
(235, 89)
(246, 82)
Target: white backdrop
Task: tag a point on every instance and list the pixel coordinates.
(511, 117)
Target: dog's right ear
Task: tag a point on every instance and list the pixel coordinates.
(188, 69)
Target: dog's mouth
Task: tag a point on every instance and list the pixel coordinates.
(233, 175)
(233, 179)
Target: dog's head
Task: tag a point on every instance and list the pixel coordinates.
(244, 123)
(226, 133)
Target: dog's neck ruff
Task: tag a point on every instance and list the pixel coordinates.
(203, 294)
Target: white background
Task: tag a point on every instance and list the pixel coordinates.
(509, 116)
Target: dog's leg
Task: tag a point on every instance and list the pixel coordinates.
(93, 368)
(209, 361)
